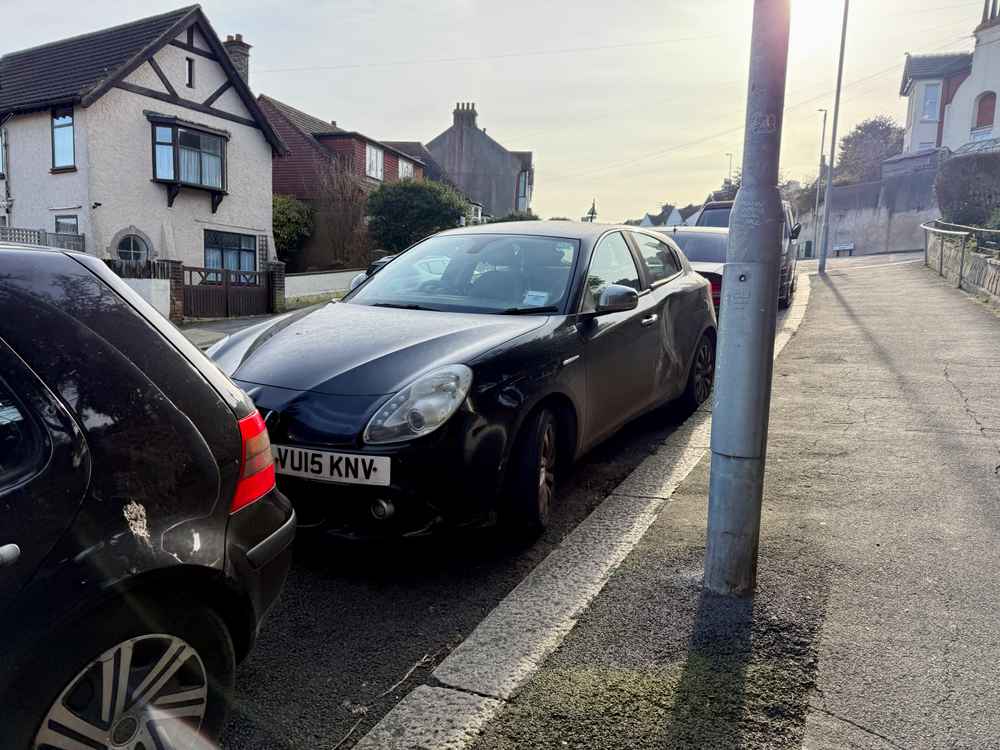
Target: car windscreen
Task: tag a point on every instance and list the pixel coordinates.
(703, 248)
(715, 217)
(480, 273)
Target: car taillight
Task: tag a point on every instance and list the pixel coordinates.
(716, 283)
(257, 465)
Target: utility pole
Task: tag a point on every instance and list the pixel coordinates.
(730, 168)
(819, 183)
(825, 249)
(749, 312)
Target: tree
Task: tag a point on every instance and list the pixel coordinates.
(516, 216)
(292, 224)
(401, 213)
(341, 235)
(863, 150)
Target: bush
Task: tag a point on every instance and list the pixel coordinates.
(292, 225)
(968, 188)
(401, 213)
(516, 216)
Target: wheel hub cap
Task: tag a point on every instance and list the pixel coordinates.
(124, 731)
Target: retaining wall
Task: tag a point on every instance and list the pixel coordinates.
(315, 284)
(979, 273)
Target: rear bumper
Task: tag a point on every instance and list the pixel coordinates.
(259, 550)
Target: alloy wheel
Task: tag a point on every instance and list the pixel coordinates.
(146, 693)
(704, 371)
(546, 470)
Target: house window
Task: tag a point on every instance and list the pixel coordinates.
(133, 248)
(63, 149)
(932, 101)
(236, 252)
(373, 161)
(405, 169)
(982, 127)
(67, 225)
(189, 156)
(3, 151)
(189, 68)
(3, 220)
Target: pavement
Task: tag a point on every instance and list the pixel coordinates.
(873, 623)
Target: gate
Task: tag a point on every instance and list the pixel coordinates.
(222, 293)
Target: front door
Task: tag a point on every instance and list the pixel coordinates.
(44, 470)
(619, 348)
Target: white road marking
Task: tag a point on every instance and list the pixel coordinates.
(862, 266)
(513, 641)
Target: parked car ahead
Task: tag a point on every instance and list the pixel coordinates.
(407, 406)
(705, 248)
(142, 538)
(717, 214)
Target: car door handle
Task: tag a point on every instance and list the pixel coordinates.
(649, 320)
(9, 554)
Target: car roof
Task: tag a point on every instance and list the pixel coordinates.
(581, 230)
(22, 246)
(692, 230)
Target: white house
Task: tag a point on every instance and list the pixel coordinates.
(952, 98)
(668, 216)
(144, 140)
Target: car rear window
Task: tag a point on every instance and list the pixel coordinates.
(715, 217)
(703, 248)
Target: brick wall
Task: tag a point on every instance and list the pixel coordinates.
(276, 285)
(295, 173)
(175, 273)
(390, 171)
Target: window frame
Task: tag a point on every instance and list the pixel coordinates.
(189, 72)
(3, 153)
(133, 237)
(410, 169)
(66, 217)
(240, 251)
(175, 126)
(652, 283)
(936, 115)
(372, 149)
(639, 268)
(41, 447)
(55, 114)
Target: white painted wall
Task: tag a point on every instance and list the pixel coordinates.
(308, 284)
(985, 76)
(37, 194)
(919, 129)
(121, 167)
(155, 291)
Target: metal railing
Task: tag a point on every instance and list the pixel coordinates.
(932, 229)
(138, 269)
(24, 236)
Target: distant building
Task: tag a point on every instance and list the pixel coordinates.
(501, 181)
(952, 98)
(668, 216)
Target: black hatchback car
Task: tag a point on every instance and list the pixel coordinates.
(453, 385)
(142, 538)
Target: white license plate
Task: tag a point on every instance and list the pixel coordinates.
(323, 466)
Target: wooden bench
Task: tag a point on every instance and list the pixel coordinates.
(847, 247)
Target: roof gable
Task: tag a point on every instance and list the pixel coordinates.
(84, 68)
(64, 71)
(932, 66)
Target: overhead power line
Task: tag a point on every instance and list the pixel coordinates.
(498, 56)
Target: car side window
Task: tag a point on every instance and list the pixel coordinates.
(659, 258)
(612, 263)
(20, 441)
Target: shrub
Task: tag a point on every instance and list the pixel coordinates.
(968, 188)
(401, 213)
(292, 224)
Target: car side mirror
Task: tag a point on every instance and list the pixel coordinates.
(358, 280)
(796, 231)
(617, 298)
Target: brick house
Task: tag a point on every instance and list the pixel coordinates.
(319, 150)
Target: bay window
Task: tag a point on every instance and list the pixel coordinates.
(189, 156)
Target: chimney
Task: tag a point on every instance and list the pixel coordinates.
(465, 114)
(239, 53)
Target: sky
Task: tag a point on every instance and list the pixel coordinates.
(632, 103)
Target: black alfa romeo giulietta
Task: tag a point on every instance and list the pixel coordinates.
(454, 386)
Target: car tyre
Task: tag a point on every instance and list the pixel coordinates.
(533, 475)
(701, 378)
(184, 638)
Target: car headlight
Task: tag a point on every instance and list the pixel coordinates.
(421, 407)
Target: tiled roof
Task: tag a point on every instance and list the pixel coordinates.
(305, 122)
(932, 66)
(64, 71)
(418, 151)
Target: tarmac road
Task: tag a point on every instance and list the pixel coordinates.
(360, 624)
